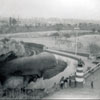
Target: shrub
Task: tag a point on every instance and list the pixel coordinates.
(8, 44)
(55, 34)
(67, 35)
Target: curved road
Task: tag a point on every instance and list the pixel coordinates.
(81, 93)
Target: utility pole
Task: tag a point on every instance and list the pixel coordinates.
(76, 39)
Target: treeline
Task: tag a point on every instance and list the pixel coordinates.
(13, 25)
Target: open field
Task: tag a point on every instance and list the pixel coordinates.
(87, 39)
(66, 44)
(60, 42)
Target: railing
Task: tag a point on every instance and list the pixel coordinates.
(62, 54)
(87, 73)
(92, 70)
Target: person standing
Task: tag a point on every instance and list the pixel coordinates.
(92, 84)
(70, 82)
(66, 82)
(62, 83)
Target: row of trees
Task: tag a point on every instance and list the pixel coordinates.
(18, 25)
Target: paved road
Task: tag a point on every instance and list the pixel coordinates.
(68, 71)
(81, 93)
(87, 62)
(71, 68)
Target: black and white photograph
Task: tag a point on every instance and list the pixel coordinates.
(49, 49)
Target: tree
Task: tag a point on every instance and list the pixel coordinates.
(59, 27)
(67, 35)
(12, 21)
(55, 34)
(7, 44)
(99, 30)
(79, 45)
(94, 49)
(93, 30)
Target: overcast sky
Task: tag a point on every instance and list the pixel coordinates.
(78, 9)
